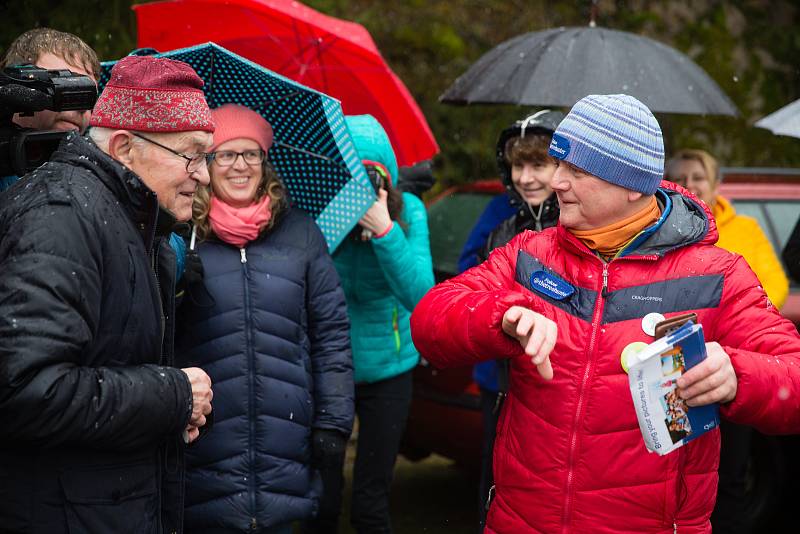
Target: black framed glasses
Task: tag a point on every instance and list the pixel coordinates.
(226, 158)
(193, 163)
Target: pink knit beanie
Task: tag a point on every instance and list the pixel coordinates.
(234, 122)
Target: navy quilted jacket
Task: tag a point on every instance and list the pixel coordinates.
(276, 345)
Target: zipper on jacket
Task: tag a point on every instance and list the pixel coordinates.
(251, 416)
(154, 267)
(488, 504)
(396, 329)
(598, 313)
(679, 486)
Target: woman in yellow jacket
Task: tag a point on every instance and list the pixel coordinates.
(697, 171)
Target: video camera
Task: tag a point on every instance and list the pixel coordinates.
(26, 89)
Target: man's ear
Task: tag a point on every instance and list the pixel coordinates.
(634, 196)
(121, 147)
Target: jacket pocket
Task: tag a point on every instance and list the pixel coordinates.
(117, 499)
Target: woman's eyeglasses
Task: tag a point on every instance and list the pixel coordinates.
(226, 158)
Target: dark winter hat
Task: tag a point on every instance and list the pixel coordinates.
(542, 122)
(150, 94)
(614, 137)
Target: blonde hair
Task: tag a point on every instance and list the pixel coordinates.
(271, 185)
(706, 160)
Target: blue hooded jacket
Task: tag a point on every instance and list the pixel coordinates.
(384, 278)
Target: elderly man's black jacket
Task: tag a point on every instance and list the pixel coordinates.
(91, 414)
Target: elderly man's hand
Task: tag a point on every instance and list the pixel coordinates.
(712, 380)
(201, 397)
(536, 333)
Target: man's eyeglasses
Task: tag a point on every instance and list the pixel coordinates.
(226, 158)
(193, 163)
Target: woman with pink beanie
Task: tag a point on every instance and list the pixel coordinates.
(273, 337)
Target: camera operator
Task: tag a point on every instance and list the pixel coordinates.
(52, 49)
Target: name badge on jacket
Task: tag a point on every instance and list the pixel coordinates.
(551, 285)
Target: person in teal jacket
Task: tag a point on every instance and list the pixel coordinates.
(385, 268)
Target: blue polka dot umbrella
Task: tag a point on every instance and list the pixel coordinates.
(312, 150)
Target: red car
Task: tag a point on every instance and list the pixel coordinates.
(445, 415)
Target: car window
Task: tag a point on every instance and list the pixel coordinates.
(450, 221)
(776, 217)
(783, 214)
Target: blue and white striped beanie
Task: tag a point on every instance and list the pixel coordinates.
(614, 137)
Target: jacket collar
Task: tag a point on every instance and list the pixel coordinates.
(546, 212)
(139, 201)
(687, 222)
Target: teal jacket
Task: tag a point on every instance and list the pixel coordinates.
(384, 278)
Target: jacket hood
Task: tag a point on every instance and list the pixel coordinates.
(541, 122)
(372, 143)
(685, 221)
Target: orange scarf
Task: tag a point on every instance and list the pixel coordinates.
(609, 240)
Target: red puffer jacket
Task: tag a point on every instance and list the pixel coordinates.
(569, 455)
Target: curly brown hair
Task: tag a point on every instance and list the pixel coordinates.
(394, 202)
(271, 185)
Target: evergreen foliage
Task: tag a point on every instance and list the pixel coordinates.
(749, 47)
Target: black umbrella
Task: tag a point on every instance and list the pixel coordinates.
(560, 66)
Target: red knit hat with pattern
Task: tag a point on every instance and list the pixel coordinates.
(149, 94)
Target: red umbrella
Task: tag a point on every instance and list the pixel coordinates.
(336, 57)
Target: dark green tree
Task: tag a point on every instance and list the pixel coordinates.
(749, 47)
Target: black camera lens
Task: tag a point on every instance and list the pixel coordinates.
(33, 149)
(375, 177)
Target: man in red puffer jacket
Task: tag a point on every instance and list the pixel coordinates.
(564, 303)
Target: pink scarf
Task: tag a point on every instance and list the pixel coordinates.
(239, 226)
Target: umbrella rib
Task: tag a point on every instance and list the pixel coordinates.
(211, 72)
(312, 154)
(283, 97)
(269, 35)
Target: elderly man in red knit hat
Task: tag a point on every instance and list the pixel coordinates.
(93, 417)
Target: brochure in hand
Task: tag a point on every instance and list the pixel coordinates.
(665, 419)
